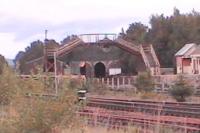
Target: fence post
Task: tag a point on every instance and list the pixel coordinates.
(129, 81)
(117, 82)
(123, 81)
(112, 82)
(108, 81)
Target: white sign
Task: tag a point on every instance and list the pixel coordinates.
(115, 71)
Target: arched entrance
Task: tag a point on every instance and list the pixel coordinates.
(100, 70)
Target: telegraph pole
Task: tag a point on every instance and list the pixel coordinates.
(46, 34)
(45, 52)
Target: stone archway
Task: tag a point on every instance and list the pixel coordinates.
(99, 70)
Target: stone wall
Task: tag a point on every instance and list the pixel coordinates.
(108, 55)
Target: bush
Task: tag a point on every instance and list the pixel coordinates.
(39, 115)
(144, 82)
(36, 114)
(46, 114)
(180, 90)
(9, 85)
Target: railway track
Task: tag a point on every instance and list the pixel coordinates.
(119, 119)
(189, 110)
(145, 114)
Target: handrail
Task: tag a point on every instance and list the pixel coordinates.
(69, 46)
(154, 56)
(127, 44)
(144, 56)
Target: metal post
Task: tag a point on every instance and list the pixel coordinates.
(55, 73)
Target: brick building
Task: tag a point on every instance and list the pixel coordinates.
(188, 59)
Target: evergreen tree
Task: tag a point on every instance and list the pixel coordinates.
(180, 90)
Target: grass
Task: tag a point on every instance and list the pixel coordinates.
(89, 129)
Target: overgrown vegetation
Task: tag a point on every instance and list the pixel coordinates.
(9, 86)
(180, 90)
(35, 114)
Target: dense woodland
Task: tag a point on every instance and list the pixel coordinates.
(167, 34)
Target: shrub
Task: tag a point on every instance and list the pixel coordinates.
(36, 114)
(144, 82)
(9, 84)
(43, 115)
(180, 90)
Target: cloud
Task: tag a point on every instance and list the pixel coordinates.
(9, 47)
(24, 29)
(23, 21)
(17, 34)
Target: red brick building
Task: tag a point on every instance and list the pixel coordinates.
(188, 59)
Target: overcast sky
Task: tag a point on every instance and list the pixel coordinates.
(23, 21)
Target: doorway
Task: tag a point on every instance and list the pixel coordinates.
(100, 70)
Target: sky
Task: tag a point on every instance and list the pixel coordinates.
(24, 21)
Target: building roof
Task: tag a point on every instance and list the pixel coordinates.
(185, 49)
(196, 52)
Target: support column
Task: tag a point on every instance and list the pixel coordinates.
(192, 65)
(195, 61)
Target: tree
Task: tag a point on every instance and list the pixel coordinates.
(180, 90)
(137, 33)
(167, 33)
(34, 51)
(170, 33)
(68, 39)
(144, 82)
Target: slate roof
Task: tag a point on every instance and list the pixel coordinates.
(196, 51)
(185, 49)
